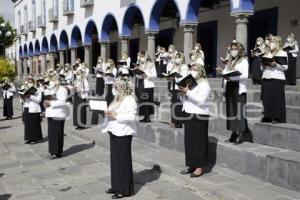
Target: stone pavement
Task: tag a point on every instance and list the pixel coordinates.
(83, 173)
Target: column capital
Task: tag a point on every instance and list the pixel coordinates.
(188, 27)
(241, 20)
(242, 14)
(151, 33)
(87, 46)
(124, 38)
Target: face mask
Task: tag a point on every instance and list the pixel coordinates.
(267, 42)
(171, 50)
(177, 61)
(272, 46)
(52, 85)
(196, 48)
(289, 39)
(234, 53)
(123, 57)
(193, 58)
(258, 43)
(30, 84)
(194, 73)
(115, 92)
(143, 60)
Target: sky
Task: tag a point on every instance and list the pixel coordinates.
(7, 10)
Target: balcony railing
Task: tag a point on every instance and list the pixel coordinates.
(86, 3)
(68, 6)
(41, 22)
(31, 25)
(24, 30)
(53, 16)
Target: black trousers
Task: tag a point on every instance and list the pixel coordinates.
(290, 73)
(273, 99)
(235, 107)
(176, 108)
(100, 86)
(121, 165)
(109, 95)
(79, 111)
(256, 73)
(56, 136)
(8, 107)
(32, 126)
(145, 99)
(196, 140)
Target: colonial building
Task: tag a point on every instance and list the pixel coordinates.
(58, 31)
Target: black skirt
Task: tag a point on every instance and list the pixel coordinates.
(256, 71)
(196, 140)
(42, 103)
(235, 105)
(176, 108)
(100, 86)
(109, 95)
(145, 98)
(79, 111)
(121, 165)
(56, 136)
(273, 99)
(158, 69)
(163, 67)
(32, 125)
(291, 71)
(8, 107)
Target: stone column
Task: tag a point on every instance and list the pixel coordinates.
(62, 58)
(103, 46)
(151, 45)
(124, 45)
(30, 64)
(25, 64)
(88, 55)
(188, 41)
(19, 68)
(73, 56)
(242, 29)
(43, 63)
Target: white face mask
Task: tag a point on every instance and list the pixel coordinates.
(193, 58)
(234, 53)
(123, 57)
(289, 39)
(194, 73)
(177, 61)
(115, 92)
(267, 42)
(272, 46)
(171, 50)
(30, 84)
(143, 60)
(51, 85)
(196, 48)
(258, 42)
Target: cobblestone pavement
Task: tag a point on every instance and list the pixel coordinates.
(83, 173)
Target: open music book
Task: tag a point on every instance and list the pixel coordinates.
(137, 71)
(188, 81)
(174, 74)
(278, 59)
(6, 87)
(231, 73)
(29, 91)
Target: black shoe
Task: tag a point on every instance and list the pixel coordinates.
(178, 126)
(58, 155)
(9, 118)
(118, 196)
(187, 171)
(266, 120)
(110, 191)
(79, 128)
(28, 142)
(276, 121)
(232, 138)
(196, 175)
(240, 139)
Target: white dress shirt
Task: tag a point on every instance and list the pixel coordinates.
(33, 102)
(183, 70)
(99, 68)
(276, 72)
(58, 107)
(124, 125)
(10, 92)
(243, 68)
(124, 69)
(150, 71)
(82, 88)
(110, 80)
(195, 101)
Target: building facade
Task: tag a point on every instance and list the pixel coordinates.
(58, 31)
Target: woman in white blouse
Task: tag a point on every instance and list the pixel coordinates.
(196, 120)
(109, 78)
(123, 69)
(120, 124)
(236, 92)
(56, 112)
(31, 114)
(145, 87)
(99, 70)
(8, 97)
(273, 83)
(292, 48)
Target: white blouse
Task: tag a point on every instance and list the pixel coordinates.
(10, 92)
(124, 125)
(33, 102)
(195, 101)
(150, 72)
(58, 107)
(276, 72)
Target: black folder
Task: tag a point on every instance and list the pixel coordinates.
(109, 74)
(281, 60)
(175, 75)
(28, 92)
(50, 97)
(137, 71)
(122, 63)
(288, 48)
(188, 81)
(231, 73)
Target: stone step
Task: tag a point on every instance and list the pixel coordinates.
(274, 165)
(286, 136)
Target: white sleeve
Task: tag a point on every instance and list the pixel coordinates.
(296, 50)
(130, 114)
(37, 98)
(61, 99)
(200, 95)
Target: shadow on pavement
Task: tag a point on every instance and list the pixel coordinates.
(146, 176)
(4, 127)
(78, 148)
(5, 196)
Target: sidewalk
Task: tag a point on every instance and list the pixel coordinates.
(84, 173)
